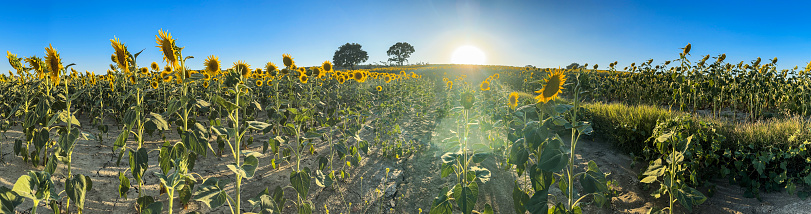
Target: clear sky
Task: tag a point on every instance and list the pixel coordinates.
(540, 33)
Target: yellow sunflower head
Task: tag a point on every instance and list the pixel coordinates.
(358, 76)
(121, 55)
(379, 88)
(387, 78)
(288, 60)
(270, 67)
(449, 84)
(284, 71)
(317, 72)
(513, 100)
(154, 84)
(496, 76)
(327, 66)
(553, 87)
(144, 70)
(485, 85)
(212, 64)
(242, 67)
(167, 46)
(303, 78)
(154, 66)
(168, 78)
(341, 79)
(52, 60)
(259, 83)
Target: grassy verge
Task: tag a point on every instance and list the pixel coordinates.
(768, 155)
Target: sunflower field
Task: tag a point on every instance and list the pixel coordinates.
(159, 137)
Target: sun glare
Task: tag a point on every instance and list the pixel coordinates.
(468, 55)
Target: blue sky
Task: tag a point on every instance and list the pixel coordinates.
(540, 33)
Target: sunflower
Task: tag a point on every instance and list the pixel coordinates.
(36, 63)
(496, 76)
(513, 100)
(154, 66)
(154, 83)
(168, 78)
(284, 71)
(288, 60)
(167, 46)
(379, 88)
(341, 79)
(205, 84)
(242, 67)
(144, 70)
(467, 99)
(303, 78)
(259, 83)
(270, 67)
(15, 62)
(206, 76)
(387, 78)
(553, 87)
(358, 76)
(327, 66)
(52, 60)
(121, 55)
(449, 84)
(444, 79)
(485, 85)
(317, 72)
(212, 65)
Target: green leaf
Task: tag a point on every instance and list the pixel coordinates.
(483, 174)
(249, 165)
(488, 209)
(257, 125)
(552, 157)
(211, 193)
(688, 197)
(466, 196)
(442, 205)
(518, 153)
(593, 180)
(153, 208)
(520, 199)
(654, 171)
(9, 200)
(301, 182)
(228, 105)
(138, 163)
(322, 180)
(541, 180)
(76, 189)
(120, 145)
(123, 185)
(537, 203)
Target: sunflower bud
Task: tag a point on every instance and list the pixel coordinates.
(774, 61)
(722, 57)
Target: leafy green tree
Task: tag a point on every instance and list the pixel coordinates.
(400, 52)
(349, 55)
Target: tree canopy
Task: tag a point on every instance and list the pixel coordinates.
(349, 55)
(400, 52)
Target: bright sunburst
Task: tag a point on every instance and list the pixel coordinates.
(468, 55)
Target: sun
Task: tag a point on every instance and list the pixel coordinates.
(468, 55)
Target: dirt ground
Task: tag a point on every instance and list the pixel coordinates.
(411, 185)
